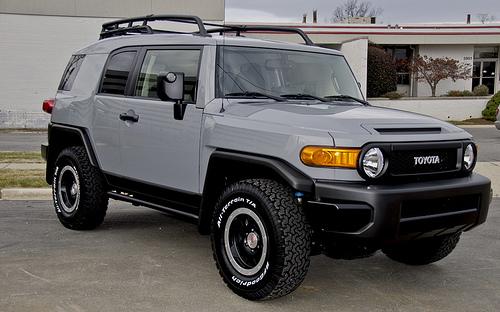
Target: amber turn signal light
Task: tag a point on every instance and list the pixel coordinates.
(322, 156)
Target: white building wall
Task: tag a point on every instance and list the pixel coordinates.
(462, 53)
(34, 50)
(356, 53)
(444, 108)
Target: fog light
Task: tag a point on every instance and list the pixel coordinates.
(373, 162)
(469, 157)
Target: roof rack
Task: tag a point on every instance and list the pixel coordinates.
(117, 28)
(128, 26)
(238, 29)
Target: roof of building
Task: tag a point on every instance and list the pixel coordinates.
(437, 33)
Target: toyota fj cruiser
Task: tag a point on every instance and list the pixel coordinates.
(268, 146)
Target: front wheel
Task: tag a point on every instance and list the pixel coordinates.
(424, 251)
(260, 239)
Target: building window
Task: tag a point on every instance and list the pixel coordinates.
(484, 67)
(485, 52)
(401, 56)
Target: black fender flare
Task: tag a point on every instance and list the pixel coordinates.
(58, 135)
(296, 179)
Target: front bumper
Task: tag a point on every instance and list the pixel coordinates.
(398, 212)
(497, 124)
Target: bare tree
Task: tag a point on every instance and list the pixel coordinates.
(433, 70)
(485, 17)
(354, 8)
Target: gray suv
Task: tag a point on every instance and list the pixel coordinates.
(267, 146)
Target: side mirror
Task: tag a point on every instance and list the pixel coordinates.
(170, 87)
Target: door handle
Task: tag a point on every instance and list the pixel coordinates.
(129, 116)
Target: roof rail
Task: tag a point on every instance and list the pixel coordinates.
(117, 28)
(238, 29)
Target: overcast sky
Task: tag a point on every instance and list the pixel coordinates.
(394, 11)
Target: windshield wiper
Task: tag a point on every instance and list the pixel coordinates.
(253, 94)
(347, 97)
(303, 96)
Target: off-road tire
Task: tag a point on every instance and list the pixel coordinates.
(92, 204)
(289, 238)
(424, 251)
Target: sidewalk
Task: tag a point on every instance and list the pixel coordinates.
(23, 166)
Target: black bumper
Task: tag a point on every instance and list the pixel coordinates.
(391, 213)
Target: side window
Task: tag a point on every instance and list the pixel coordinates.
(70, 72)
(117, 73)
(157, 61)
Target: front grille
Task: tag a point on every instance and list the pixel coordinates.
(411, 162)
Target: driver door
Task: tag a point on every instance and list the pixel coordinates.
(156, 148)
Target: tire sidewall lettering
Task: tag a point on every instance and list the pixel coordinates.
(233, 203)
(57, 204)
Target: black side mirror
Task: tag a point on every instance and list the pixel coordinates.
(170, 87)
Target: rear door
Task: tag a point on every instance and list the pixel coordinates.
(109, 103)
(155, 148)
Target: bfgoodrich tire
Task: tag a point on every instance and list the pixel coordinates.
(260, 239)
(424, 251)
(78, 190)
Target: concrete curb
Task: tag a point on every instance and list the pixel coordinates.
(26, 194)
(476, 126)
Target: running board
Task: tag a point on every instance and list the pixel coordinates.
(131, 199)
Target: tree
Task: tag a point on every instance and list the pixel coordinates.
(433, 70)
(485, 18)
(354, 8)
(381, 74)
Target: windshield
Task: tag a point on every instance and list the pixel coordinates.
(246, 71)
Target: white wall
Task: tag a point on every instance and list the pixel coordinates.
(441, 108)
(34, 50)
(356, 53)
(208, 10)
(462, 53)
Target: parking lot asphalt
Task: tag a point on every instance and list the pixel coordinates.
(143, 260)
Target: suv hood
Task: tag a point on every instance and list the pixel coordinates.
(347, 120)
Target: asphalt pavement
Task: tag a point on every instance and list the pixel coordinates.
(22, 141)
(143, 260)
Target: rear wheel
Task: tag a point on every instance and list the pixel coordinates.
(260, 239)
(78, 190)
(424, 251)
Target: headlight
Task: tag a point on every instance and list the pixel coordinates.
(322, 156)
(373, 162)
(469, 157)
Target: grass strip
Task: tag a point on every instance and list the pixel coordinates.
(22, 178)
(21, 157)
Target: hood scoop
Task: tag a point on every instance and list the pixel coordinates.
(404, 128)
(419, 130)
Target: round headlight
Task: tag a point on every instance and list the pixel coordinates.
(469, 157)
(373, 162)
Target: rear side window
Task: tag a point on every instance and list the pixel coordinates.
(70, 72)
(117, 73)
